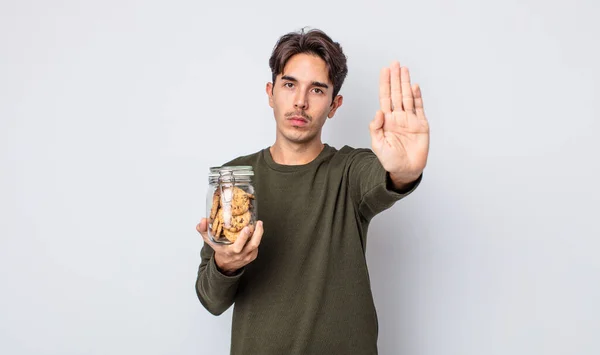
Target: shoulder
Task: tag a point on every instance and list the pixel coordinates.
(249, 159)
(350, 154)
(347, 158)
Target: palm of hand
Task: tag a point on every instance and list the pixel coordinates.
(400, 131)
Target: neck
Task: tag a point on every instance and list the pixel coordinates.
(287, 153)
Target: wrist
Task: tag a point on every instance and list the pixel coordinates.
(401, 182)
(403, 179)
(223, 269)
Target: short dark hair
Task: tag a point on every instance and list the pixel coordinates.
(314, 42)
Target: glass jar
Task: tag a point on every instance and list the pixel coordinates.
(230, 202)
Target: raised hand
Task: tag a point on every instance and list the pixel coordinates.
(400, 131)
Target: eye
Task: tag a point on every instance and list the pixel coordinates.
(288, 85)
(318, 91)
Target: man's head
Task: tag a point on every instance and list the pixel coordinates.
(308, 71)
(313, 42)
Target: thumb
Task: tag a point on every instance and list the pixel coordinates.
(202, 228)
(376, 127)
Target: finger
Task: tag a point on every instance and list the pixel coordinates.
(241, 240)
(416, 89)
(384, 90)
(376, 126)
(202, 228)
(251, 256)
(396, 87)
(256, 237)
(407, 97)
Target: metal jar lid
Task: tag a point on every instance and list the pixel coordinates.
(230, 173)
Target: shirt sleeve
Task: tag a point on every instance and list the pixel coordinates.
(371, 186)
(216, 291)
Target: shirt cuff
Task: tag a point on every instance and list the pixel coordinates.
(215, 274)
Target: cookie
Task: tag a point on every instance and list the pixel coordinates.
(215, 204)
(237, 223)
(231, 236)
(240, 203)
(217, 226)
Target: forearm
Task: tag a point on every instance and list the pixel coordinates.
(216, 291)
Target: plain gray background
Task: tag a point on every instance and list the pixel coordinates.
(111, 113)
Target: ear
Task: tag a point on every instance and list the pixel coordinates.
(269, 90)
(337, 102)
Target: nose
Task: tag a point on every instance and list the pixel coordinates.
(300, 101)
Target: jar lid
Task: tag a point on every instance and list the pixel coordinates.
(239, 170)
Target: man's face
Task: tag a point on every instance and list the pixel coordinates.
(301, 99)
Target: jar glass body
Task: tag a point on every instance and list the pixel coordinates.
(230, 203)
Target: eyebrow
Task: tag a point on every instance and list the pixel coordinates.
(314, 83)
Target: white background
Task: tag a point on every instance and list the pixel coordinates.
(111, 113)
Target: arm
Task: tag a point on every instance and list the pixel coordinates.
(215, 290)
(372, 187)
(400, 185)
(216, 286)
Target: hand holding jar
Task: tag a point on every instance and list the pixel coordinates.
(232, 257)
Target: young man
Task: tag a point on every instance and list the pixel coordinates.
(308, 290)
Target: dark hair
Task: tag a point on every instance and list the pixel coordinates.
(314, 42)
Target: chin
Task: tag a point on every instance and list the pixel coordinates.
(298, 138)
(302, 140)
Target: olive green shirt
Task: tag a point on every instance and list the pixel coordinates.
(308, 291)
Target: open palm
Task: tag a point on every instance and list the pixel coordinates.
(400, 131)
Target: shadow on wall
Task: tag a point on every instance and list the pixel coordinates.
(393, 269)
(408, 246)
(350, 125)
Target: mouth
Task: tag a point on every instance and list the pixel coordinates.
(298, 121)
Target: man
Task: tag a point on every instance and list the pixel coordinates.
(308, 291)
